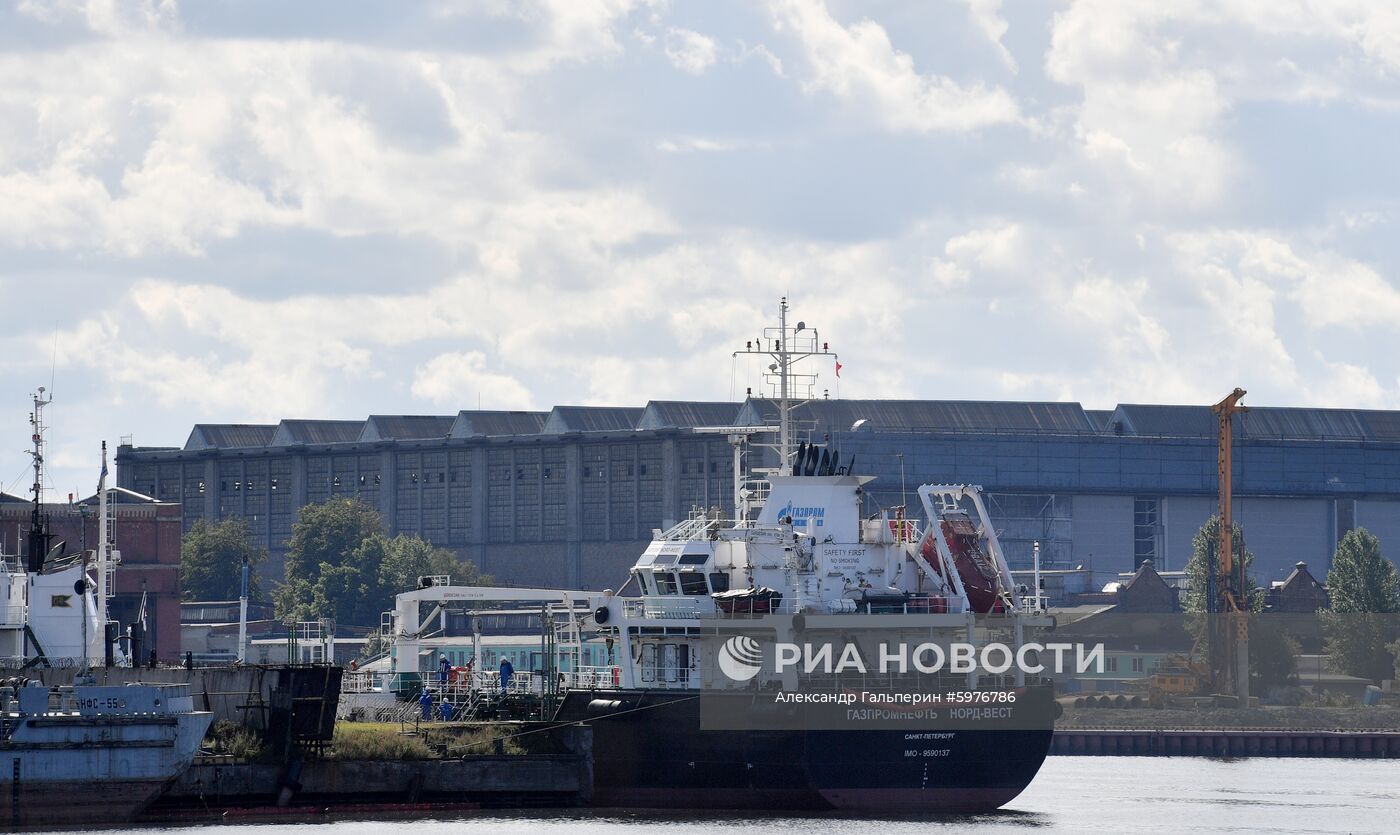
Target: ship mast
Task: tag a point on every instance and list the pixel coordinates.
(39, 535)
(788, 347)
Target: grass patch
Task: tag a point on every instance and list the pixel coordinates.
(377, 741)
(388, 741)
(236, 741)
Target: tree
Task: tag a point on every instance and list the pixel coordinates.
(1273, 655)
(406, 558)
(1361, 579)
(323, 535)
(1363, 588)
(212, 557)
(341, 565)
(1197, 568)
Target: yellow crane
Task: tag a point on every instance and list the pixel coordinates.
(1230, 610)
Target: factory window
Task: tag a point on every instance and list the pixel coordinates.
(1137, 665)
(1111, 665)
(1146, 525)
(587, 471)
(548, 472)
(642, 469)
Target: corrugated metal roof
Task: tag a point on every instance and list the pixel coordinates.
(471, 424)
(1099, 418)
(661, 414)
(1172, 421)
(592, 419)
(1383, 426)
(229, 435)
(317, 432)
(406, 427)
(1282, 423)
(6, 498)
(1331, 424)
(926, 415)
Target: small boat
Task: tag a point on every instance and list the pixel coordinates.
(88, 754)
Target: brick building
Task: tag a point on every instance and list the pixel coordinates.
(145, 531)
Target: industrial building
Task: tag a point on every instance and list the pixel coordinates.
(571, 496)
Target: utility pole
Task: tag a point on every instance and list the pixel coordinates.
(243, 614)
(1230, 647)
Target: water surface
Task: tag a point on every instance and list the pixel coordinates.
(1071, 794)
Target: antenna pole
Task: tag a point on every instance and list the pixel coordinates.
(784, 426)
(104, 550)
(38, 520)
(243, 614)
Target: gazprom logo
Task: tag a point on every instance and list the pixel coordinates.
(740, 658)
(801, 514)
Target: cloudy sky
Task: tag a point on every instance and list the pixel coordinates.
(243, 211)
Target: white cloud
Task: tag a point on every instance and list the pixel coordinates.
(986, 14)
(459, 380)
(689, 51)
(523, 200)
(860, 65)
(108, 17)
(997, 248)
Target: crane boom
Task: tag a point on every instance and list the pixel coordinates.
(1230, 648)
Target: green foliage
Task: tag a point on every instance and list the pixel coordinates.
(1197, 569)
(324, 534)
(235, 740)
(1363, 588)
(384, 741)
(357, 570)
(1361, 579)
(1273, 655)
(211, 561)
(377, 741)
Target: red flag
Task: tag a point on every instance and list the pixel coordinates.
(838, 368)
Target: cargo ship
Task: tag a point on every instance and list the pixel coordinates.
(682, 719)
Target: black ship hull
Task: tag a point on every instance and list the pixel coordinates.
(649, 752)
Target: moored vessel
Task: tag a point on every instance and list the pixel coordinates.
(724, 679)
(81, 754)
